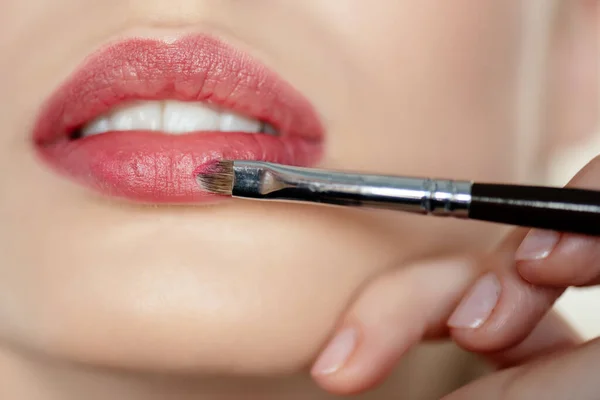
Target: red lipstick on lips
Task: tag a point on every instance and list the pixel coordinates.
(159, 167)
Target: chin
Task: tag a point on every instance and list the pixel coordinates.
(230, 289)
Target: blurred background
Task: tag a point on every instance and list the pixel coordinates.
(580, 306)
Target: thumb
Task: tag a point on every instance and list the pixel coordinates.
(390, 315)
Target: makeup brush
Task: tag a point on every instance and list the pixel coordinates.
(558, 209)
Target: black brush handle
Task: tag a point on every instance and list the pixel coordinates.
(558, 209)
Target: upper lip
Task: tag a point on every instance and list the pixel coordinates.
(194, 68)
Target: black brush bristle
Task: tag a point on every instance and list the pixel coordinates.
(217, 178)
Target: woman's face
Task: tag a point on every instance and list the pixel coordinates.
(89, 273)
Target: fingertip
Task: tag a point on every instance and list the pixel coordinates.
(337, 353)
(348, 381)
(498, 312)
(537, 245)
(478, 304)
(572, 261)
(350, 365)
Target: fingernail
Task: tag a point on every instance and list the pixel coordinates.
(337, 352)
(477, 306)
(537, 245)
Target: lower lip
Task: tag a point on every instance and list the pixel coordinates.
(152, 167)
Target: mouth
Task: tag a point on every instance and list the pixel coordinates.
(139, 117)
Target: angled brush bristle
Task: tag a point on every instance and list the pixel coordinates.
(217, 178)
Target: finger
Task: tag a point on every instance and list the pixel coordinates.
(560, 260)
(392, 314)
(499, 313)
(550, 335)
(568, 375)
(501, 310)
(553, 259)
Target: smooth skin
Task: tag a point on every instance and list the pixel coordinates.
(104, 299)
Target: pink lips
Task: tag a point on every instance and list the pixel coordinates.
(155, 167)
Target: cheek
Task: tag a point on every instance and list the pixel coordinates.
(440, 98)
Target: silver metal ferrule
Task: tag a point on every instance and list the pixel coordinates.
(267, 181)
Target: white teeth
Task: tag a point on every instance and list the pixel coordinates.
(231, 122)
(175, 117)
(99, 125)
(138, 116)
(189, 117)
